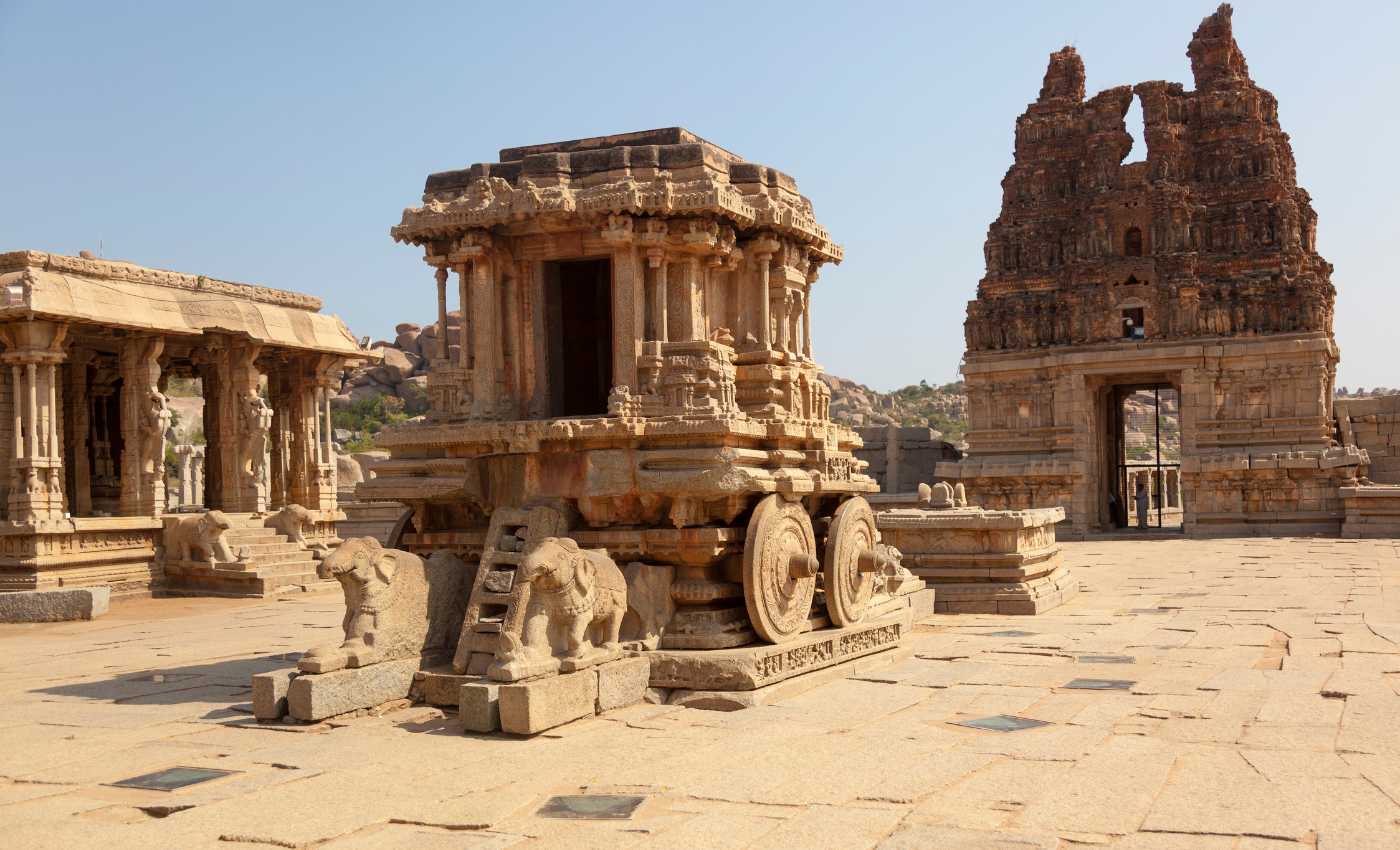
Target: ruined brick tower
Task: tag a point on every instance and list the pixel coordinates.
(1193, 274)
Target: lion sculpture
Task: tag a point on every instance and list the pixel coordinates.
(199, 538)
(578, 598)
(396, 605)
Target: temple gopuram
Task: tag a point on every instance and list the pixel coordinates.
(89, 348)
(1152, 342)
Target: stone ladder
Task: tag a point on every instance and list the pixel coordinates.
(270, 565)
(498, 598)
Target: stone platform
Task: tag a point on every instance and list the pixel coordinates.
(748, 668)
(1372, 510)
(981, 561)
(268, 564)
(1264, 707)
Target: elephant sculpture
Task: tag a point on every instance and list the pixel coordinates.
(578, 598)
(396, 605)
(199, 538)
(293, 521)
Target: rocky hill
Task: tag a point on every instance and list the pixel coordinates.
(395, 389)
(1362, 392)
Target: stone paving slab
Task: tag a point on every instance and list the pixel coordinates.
(1262, 717)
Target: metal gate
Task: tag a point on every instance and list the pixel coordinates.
(1148, 426)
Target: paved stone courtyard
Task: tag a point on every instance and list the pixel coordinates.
(1262, 713)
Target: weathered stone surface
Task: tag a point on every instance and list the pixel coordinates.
(51, 606)
(397, 605)
(750, 667)
(983, 562)
(322, 695)
(437, 687)
(479, 706)
(622, 683)
(270, 694)
(531, 707)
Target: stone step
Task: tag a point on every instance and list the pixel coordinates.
(257, 550)
(299, 556)
(306, 562)
(250, 532)
(387, 511)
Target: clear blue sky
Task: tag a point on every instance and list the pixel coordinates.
(276, 143)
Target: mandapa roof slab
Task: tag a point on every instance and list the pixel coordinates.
(125, 295)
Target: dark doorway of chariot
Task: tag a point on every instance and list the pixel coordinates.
(578, 297)
(1146, 494)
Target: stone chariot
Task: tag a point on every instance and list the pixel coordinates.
(631, 367)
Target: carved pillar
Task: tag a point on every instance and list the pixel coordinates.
(785, 340)
(690, 324)
(311, 462)
(512, 338)
(185, 454)
(144, 419)
(251, 419)
(277, 440)
(464, 352)
(197, 475)
(440, 274)
(78, 405)
(628, 303)
(807, 313)
(34, 349)
(484, 376)
(534, 352)
(657, 327)
(763, 254)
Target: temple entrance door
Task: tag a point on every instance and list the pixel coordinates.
(1146, 491)
(578, 298)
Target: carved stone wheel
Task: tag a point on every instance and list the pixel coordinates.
(780, 568)
(847, 574)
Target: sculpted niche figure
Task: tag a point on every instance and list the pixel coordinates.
(155, 422)
(257, 421)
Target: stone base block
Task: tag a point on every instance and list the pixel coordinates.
(479, 706)
(529, 708)
(1027, 597)
(270, 694)
(439, 687)
(751, 667)
(54, 606)
(313, 697)
(786, 689)
(623, 683)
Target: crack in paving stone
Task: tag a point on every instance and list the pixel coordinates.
(455, 827)
(253, 839)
